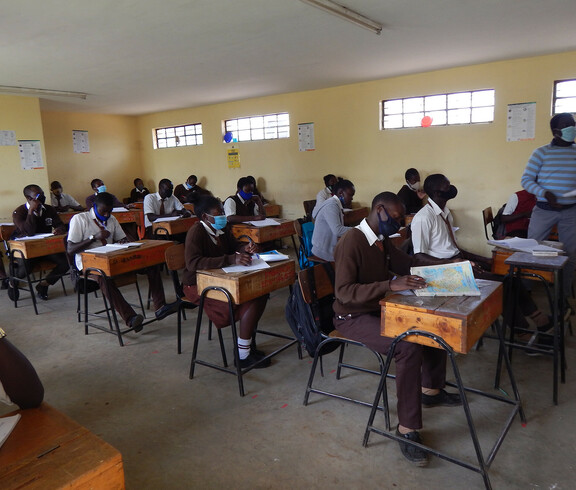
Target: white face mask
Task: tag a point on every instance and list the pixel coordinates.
(415, 186)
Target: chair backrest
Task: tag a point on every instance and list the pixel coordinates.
(175, 261)
(304, 232)
(488, 218)
(308, 207)
(316, 283)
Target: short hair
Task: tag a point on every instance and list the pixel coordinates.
(30, 188)
(411, 172)
(93, 183)
(192, 177)
(342, 185)
(433, 182)
(164, 182)
(136, 180)
(555, 121)
(386, 198)
(251, 179)
(55, 185)
(104, 198)
(205, 204)
(242, 181)
(328, 178)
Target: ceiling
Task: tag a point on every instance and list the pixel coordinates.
(140, 56)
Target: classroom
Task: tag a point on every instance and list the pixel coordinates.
(176, 432)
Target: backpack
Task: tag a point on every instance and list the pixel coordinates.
(498, 227)
(305, 248)
(311, 323)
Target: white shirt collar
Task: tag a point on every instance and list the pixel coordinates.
(364, 227)
(212, 233)
(338, 201)
(42, 208)
(241, 198)
(445, 212)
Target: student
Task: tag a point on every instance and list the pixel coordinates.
(188, 190)
(33, 218)
(245, 205)
(517, 212)
(329, 220)
(210, 245)
(252, 180)
(139, 192)
(98, 227)
(162, 204)
(364, 261)
(326, 193)
(19, 382)
(99, 186)
(411, 193)
(549, 175)
(62, 202)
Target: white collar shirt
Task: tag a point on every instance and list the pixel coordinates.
(152, 203)
(430, 234)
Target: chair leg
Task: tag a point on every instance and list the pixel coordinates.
(221, 340)
(140, 298)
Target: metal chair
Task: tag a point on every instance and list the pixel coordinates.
(488, 219)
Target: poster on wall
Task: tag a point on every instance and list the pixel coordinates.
(30, 154)
(7, 138)
(233, 155)
(306, 137)
(521, 124)
(80, 141)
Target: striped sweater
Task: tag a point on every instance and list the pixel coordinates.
(551, 168)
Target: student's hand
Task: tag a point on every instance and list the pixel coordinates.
(251, 248)
(242, 258)
(102, 235)
(185, 213)
(551, 198)
(60, 230)
(258, 217)
(129, 206)
(35, 204)
(402, 283)
(123, 240)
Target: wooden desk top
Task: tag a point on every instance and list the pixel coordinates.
(174, 227)
(404, 235)
(272, 210)
(67, 216)
(353, 217)
(244, 286)
(47, 449)
(39, 247)
(500, 267)
(524, 259)
(459, 320)
(6, 231)
(128, 259)
(264, 233)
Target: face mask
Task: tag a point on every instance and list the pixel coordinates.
(388, 227)
(245, 195)
(342, 201)
(100, 189)
(187, 185)
(568, 134)
(451, 193)
(42, 198)
(415, 186)
(219, 221)
(99, 216)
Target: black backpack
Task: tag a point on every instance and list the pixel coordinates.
(311, 323)
(498, 227)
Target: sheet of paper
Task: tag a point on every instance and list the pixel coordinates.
(447, 280)
(119, 210)
(170, 218)
(256, 265)
(7, 424)
(7, 138)
(30, 154)
(35, 237)
(112, 247)
(273, 256)
(570, 194)
(522, 245)
(264, 222)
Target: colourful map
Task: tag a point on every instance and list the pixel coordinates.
(447, 280)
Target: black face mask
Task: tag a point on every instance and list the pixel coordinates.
(451, 193)
(388, 227)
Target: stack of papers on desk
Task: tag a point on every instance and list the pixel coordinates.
(264, 222)
(455, 279)
(527, 245)
(119, 210)
(36, 237)
(113, 247)
(256, 265)
(273, 256)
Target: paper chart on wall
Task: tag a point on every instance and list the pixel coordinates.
(30, 154)
(521, 124)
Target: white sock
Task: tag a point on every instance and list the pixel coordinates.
(244, 347)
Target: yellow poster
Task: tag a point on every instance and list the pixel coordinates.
(233, 158)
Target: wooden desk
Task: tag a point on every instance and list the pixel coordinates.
(6, 231)
(353, 217)
(404, 235)
(499, 256)
(127, 259)
(47, 450)
(244, 286)
(67, 216)
(189, 207)
(263, 234)
(174, 227)
(40, 247)
(459, 320)
(272, 210)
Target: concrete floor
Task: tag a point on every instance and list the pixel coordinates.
(174, 432)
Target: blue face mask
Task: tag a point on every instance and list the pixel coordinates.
(245, 195)
(388, 227)
(568, 134)
(220, 222)
(99, 216)
(100, 189)
(187, 185)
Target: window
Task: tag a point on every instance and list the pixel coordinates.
(268, 127)
(564, 96)
(439, 110)
(189, 135)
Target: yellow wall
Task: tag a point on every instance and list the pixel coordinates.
(476, 158)
(114, 153)
(22, 115)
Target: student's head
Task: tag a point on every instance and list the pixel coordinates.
(412, 177)
(209, 209)
(98, 185)
(252, 180)
(245, 188)
(192, 180)
(138, 184)
(438, 188)
(563, 127)
(103, 204)
(386, 213)
(165, 188)
(33, 192)
(330, 180)
(345, 191)
(56, 188)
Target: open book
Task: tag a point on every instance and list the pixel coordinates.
(113, 247)
(455, 279)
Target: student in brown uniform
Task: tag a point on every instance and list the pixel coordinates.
(368, 267)
(210, 245)
(244, 205)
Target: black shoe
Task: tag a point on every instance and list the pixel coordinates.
(253, 359)
(135, 323)
(442, 399)
(414, 454)
(42, 292)
(258, 353)
(13, 293)
(166, 310)
(5, 283)
(542, 342)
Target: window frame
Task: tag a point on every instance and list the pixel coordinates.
(555, 97)
(196, 135)
(242, 126)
